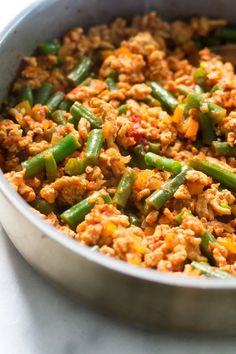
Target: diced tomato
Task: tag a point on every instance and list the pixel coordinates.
(135, 118)
(134, 132)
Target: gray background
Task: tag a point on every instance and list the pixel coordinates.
(36, 318)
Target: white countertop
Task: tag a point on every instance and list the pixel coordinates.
(35, 318)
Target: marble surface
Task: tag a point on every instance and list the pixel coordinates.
(35, 318)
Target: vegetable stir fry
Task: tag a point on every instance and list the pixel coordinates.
(124, 138)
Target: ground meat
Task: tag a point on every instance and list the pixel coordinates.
(153, 226)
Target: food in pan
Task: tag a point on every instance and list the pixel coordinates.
(124, 138)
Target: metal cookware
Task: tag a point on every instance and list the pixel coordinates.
(141, 295)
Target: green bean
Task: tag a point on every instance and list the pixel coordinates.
(179, 217)
(43, 93)
(80, 72)
(77, 111)
(77, 212)
(185, 90)
(124, 188)
(209, 271)
(196, 101)
(159, 198)
(26, 94)
(151, 101)
(107, 199)
(111, 84)
(200, 76)
(11, 101)
(209, 41)
(224, 149)
(162, 163)
(163, 96)
(217, 87)
(93, 146)
(60, 150)
(74, 166)
(217, 171)
(54, 101)
(48, 48)
(50, 166)
(226, 33)
(58, 117)
(138, 153)
(134, 219)
(43, 206)
(207, 238)
(154, 147)
(87, 81)
(207, 130)
(122, 109)
(65, 105)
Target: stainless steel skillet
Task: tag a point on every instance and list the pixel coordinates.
(141, 295)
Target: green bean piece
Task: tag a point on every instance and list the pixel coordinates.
(74, 166)
(134, 219)
(111, 84)
(217, 87)
(200, 76)
(223, 149)
(11, 101)
(207, 238)
(122, 109)
(179, 217)
(159, 198)
(154, 147)
(124, 188)
(58, 117)
(26, 94)
(210, 271)
(93, 146)
(87, 81)
(185, 90)
(49, 47)
(77, 212)
(43, 93)
(163, 96)
(54, 101)
(196, 101)
(209, 41)
(162, 163)
(226, 33)
(77, 111)
(80, 72)
(59, 151)
(207, 130)
(65, 105)
(217, 171)
(50, 166)
(138, 153)
(43, 206)
(151, 101)
(107, 199)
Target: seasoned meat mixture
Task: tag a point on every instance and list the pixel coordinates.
(124, 138)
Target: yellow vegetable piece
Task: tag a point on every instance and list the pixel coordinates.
(23, 107)
(228, 244)
(109, 228)
(178, 114)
